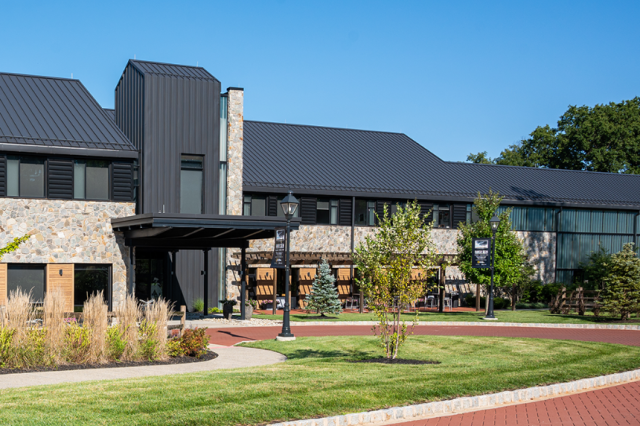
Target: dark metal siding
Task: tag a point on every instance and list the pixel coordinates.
(272, 205)
(425, 207)
(122, 181)
(3, 176)
(190, 281)
(344, 212)
(60, 179)
(308, 210)
(459, 214)
(380, 208)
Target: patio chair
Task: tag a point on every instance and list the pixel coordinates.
(354, 300)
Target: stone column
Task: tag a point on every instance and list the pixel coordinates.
(235, 119)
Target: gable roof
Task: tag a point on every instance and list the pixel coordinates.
(38, 112)
(322, 160)
(111, 113)
(171, 70)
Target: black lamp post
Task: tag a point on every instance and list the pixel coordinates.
(289, 206)
(494, 221)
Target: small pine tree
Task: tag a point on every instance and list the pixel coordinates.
(622, 286)
(324, 294)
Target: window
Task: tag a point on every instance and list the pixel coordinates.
(327, 211)
(91, 180)
(191, 179)
(441, 216)
(255, 205)
(25, 177)
(28, 277)
(472, 214)
(88, 280)
(365, 212)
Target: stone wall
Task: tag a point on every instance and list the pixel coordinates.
(541, 247)
(67, 232)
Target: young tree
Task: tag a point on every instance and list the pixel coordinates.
(510, 260)
(622, 286)
(596, 269)
(324, 294)
(385, 261)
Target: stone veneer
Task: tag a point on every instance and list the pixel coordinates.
(67, 232)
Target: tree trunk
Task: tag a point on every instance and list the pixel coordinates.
(513, 298)
(477, 297)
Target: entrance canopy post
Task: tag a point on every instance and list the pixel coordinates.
(206, 281)
(243, 282)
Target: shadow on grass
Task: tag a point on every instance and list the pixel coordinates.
(336, 354)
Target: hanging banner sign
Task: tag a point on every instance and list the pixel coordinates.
(279, 249)
(481, 253)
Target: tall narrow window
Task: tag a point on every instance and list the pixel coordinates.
(441, 216)
(191, 179)
(25, 177)
(247, 205)
(334, 212)
(91, 180)
(371, 213)
(365, 212)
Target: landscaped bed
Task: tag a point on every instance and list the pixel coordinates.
(525, 316)
(319, 379)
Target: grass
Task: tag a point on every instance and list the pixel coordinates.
(318, 380)
(526, 316)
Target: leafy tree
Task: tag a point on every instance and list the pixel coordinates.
(596, 269)
(605, 138)
(385, 261)
(622, 285)
(480, 158)
(324, 294)
(510, 267)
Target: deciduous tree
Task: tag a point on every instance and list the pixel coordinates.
(622, 285)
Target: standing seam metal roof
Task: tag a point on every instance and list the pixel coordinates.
(172, 70)
(285, 156)
(59, 112)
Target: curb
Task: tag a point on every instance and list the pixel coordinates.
(482, 324)
(465, 404)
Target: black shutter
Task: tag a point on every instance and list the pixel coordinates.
(426, 206)
(344, 212)
(380, 209)
(60, 179)
(272, 205)
(308, 209)
(122, 178)
(3, 176)
(459, 214)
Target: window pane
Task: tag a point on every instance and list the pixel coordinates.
(222, 203)
(88, 280)
(371, 207)
(97, 182)
(78, 179)
(247, 205)
(13, 177)
(31, 178)
(191, 191)
(323, 205)
(192, 162)
(361, 212)
(28, 277)
(444, 216)
(334, 212)
(258, 206)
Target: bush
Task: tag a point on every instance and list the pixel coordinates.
(470, 300)
(77, 344)
(116, 343)
(549, 291)
(191, 343)
(524, 305)
(6, 337)
(198, 305)
(500, 303)
(149, 343)
(215, 310)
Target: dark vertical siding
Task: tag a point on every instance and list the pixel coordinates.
(380, 208)
(60, 179)
(3, 176)
(272, 205)
(344, 212)
(122, 181)
(190, 281)
(426, 206)
(308, 210)
(459, 214)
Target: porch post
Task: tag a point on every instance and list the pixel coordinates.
(441, 283)
(206, 281)
(243, 281)
(132, 270)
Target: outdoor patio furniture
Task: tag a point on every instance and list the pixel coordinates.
(354, 300)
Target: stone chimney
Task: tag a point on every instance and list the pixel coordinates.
(235, 121)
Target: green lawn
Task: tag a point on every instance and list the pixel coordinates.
(524, 316)
(318, 380)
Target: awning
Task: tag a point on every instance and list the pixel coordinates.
(196, 231)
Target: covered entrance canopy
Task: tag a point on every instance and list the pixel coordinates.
(178, 231)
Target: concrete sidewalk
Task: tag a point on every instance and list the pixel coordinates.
(232, 357)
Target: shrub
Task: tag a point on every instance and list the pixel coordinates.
(77, 344)
(128, 314)
(157, 315)
(191, 343)
(549, 291)
(6, 339)
(500, 303)
(198, 305)
(95, 319)
(215, 310)
(524, 305)
(116, 343)
(54, 304)
(149, 347)
(470, 300)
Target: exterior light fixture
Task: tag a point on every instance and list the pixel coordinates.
(60, 272)
(289, 206)
(495, 222)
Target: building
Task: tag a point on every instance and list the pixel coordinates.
(163, 194)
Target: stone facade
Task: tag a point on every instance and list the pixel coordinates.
(67, 232)
(541, 247)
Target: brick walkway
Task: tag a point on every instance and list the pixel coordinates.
(618, 405)
(231, 336)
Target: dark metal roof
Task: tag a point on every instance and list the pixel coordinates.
(55, 112)
(172, 70)
(111, 113)
(321, 160)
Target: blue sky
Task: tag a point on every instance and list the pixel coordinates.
(457, 77)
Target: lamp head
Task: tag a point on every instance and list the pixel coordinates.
(289, 205)
(494, 221)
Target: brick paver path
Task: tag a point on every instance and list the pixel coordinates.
(618, 405)
(231, 336)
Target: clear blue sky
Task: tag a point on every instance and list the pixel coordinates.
(457, 77)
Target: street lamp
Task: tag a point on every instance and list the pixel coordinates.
(494, 221)
(289, 206)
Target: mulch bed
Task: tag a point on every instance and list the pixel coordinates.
(396, 361)
(180, 360)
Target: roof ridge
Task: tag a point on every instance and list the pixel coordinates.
(167, 63)
(15, 74)
(540, 168)
(327, 127)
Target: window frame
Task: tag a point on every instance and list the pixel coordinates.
(370, 212)
(109, 290)
(202, 196)
(19, 157)
(436, 216)
(109, 180)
